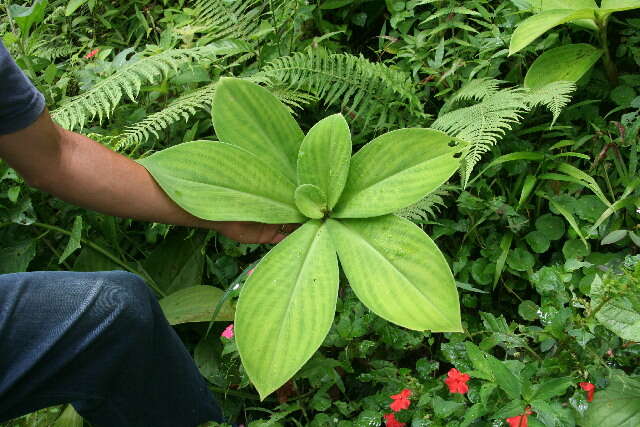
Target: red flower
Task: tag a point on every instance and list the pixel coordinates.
(390, 421)
(589, 388)
(91, 54)
(401, 400)
(520, 420)
(457, 381)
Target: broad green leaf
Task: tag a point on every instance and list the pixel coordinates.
(74, 239)
(551, 388)
(398, 272)
(16, 258)
(195, 304)
(72, 6)
(395, 170)
(494, 370)
(567, 63)
(616, 313)
(311, 201)
(536, 25)
(286, 307)
(69, 418)
(611, 6)
(324, 157)
(222, 182)
(618, 405)
(177, 262)
(249, 116)
(25, 16)
(542, 5)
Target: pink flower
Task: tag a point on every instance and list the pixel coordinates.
(390, 421)
(589, 388)
(91, 54)
(228, 332)
(250, 272)
(457, 381)
(520, 420)
(401, 400)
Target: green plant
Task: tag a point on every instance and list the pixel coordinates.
(569, 62)
(286, 307)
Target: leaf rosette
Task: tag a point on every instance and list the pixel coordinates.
(266, 169)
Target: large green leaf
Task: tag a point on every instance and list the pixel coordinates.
(16, 258)
(542, 5)
(249, 116)
(395, 170)
(324, 157)
(610, 6)
(286, 307)
(536, 25)
(398, 272)
(568, 63)
(222, 182)
(195, 304)
(177, 262)
(618, 405)
(617, 313)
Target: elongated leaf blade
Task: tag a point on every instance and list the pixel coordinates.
(536, 25)
(398, 272)
(395, 170)
(618, 405)
(566, 63)
(249, 116)
(324, 157)
(287, 306)
(195, 304)
(610, 6)
(222, 182)
(542, 5)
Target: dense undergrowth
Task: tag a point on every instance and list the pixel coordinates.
(540, 227)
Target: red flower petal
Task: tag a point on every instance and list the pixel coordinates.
(457, 381)
(589, 388)
(390, 421)
(520, 420)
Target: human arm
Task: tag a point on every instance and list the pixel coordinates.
(81, 171)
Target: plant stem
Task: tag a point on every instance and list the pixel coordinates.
(107, 254)
(609, 65)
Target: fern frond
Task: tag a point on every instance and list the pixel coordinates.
(484, 123)
(427, 207)
(555, 96)
(224, 19)
(182, 108)
(103, 98)
(185, 107)
(364, 90)
(475, 90)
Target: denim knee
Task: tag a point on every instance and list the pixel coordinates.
(123, 297)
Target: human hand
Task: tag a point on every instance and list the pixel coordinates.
(254, 232)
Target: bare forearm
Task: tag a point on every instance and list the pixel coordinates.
(92, 176)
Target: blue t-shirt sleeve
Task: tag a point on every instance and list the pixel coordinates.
(20, 102)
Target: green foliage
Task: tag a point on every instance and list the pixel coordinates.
(370, 94)
(536, 240)
(301, 293)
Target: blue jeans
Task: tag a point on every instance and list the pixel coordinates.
(100, 341)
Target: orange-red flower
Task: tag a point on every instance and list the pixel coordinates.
(589, 388)
(457, 381)
(520, 420)
(91, 54)
(401, 400)
(390, 421)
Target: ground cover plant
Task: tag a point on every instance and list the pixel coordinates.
(537, 221)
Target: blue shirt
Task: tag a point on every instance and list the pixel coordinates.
(20, 102)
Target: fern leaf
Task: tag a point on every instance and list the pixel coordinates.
(427, 207)
(484, 123)
(182, 108)
(365, 91)
(224, 19)
(103, 98)
(555, 96)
